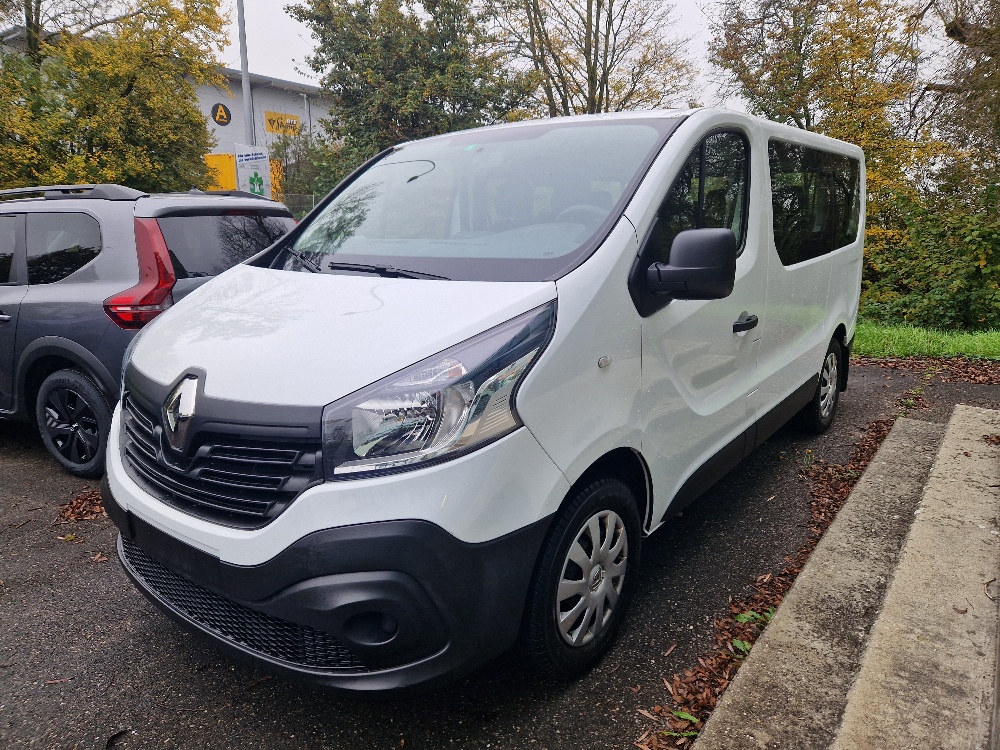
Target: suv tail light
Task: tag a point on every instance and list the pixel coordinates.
(138, 305)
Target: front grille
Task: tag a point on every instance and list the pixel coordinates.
(226, 478)
(263, 634)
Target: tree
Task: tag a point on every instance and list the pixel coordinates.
(597, 55)
(965, 95)
(396, 71)
(116, 105)
(853, 69)
(45, 20)
(845, 68)
(311, 166)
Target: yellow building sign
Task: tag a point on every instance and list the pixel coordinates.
(281, 123)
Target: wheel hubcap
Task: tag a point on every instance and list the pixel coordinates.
(828, 385)
(593, 574)
(72, 426)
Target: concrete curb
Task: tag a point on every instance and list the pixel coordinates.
(792, 691)
(929, 671)
(871, 647)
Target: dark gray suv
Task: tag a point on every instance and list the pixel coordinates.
(82, 268)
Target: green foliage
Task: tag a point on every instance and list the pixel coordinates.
(851, 69)
(397, 71)
(875, 340)
(752, 616)
(742, 647)
(311, 163)
(941, 270)
(116, 106)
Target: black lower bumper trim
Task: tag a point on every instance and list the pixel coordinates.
(390, 604)
(261, 634)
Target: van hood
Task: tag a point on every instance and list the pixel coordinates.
(302, 339)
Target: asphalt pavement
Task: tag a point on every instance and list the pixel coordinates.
(86, 662)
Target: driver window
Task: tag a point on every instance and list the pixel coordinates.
(710, 191)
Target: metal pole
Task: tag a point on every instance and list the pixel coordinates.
(248, 123)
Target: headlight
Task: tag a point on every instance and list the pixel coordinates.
(443, 407)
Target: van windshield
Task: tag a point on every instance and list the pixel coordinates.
(520, 203)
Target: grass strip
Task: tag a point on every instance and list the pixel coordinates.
(874, 340)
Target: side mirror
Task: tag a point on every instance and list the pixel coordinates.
(702, 266)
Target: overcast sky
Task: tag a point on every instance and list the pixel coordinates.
(277, 45)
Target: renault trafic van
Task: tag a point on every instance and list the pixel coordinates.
(441, 414)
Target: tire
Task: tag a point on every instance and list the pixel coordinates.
(73, 419)
(566, 637)
(818, 414)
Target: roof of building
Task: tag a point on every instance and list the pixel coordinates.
(259, 81)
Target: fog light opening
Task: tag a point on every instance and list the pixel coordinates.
(371, 628)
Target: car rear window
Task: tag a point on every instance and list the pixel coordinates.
(206, 245)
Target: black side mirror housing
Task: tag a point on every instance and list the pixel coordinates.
(702, 266)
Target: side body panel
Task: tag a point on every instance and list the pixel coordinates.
(72, 310)
(806, 302)
(697, 373)
(577, 410)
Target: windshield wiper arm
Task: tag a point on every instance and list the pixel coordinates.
(388, 272)
(305, 261)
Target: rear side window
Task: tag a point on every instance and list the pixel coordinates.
(816, 201)
(8, 238)
(710, 191)
(59, 244)
(206, 245)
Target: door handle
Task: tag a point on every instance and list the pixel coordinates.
(4, 318)
(745, 323)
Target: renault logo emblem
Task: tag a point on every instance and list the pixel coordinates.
(178, 410)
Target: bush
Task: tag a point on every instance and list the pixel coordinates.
(941, 269)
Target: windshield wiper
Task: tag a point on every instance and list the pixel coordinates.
(305, 261)
(388, 272)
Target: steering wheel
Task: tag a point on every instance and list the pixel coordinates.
(582, 213)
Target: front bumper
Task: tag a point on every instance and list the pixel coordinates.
(369, 607)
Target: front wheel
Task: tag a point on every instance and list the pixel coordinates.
(74, 420)
(818, 414)
(584, 579)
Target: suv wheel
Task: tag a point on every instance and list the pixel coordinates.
(584, 579)
(73, 419)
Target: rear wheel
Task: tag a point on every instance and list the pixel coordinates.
(584, 579)
(73, 419)
(818, 414)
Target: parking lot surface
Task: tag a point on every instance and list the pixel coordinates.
(87, 663)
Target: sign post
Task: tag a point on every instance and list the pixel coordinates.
(253, 170)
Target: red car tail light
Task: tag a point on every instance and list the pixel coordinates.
(135, 307)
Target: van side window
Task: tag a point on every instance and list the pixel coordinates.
(815, 201)
(59, 244)
(710, 191)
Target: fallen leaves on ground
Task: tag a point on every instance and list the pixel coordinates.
(696, 691)
(992, 439)
(912, 400)
(84, 507)
(948, 369)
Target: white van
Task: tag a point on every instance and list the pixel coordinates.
(444, 411)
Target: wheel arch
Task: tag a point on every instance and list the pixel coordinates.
(627, 465)
(50, 354)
